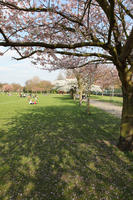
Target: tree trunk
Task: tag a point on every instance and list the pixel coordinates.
(88, 102)
(80, 87)
(80, 97)
(74, 97)
(126, 131)
(113, 91)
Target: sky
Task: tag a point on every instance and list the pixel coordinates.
(12, 71)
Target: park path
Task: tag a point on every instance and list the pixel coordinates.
(108, 107)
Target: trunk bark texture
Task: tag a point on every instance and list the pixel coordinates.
(88, 103)
(80, 96)
(126, 130)
(74, 97)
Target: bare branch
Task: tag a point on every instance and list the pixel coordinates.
(4, 36)
(89, 4)
(85, 54)
(27, 56)
(127, 48)
(125, 9)
(53, 46)
(112, 20)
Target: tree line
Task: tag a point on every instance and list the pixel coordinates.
(32, 85)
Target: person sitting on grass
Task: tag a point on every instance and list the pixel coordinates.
(36, 99)
(31, 101)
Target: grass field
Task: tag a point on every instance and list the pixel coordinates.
(55, 151)
(114, 100)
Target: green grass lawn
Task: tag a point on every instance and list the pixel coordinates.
(55, 151)
(115, 100)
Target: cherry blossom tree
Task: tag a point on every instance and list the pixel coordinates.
(107, 77)
(73, 71)
(100, 30)
(80, 82)
(7, 88)
(115, 81)
(86, 77)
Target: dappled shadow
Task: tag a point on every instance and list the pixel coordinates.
(61, 153)
(62, 97)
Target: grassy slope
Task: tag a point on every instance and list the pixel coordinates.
(115, 100)
(55, 151)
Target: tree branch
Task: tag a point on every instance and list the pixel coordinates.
(112, 20)
(52, 10)
(88, 63)
(4, 36)
(88, 14)
(53, 46)
(127, 48)
(27, 56)
(125, 9)
(84, 54)
(105, 7)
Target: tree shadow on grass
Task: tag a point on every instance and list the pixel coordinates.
(61, 153)
(64, 98)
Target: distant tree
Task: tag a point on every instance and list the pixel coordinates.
(60, 76)
(46, 85)
(36, 80)
(37, 85)
(7, 88)
(28, 85)
(16, 87)
(1, 86)
(108, 78)
(86, 76)
(31, 84)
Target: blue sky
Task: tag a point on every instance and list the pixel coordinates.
(12, 71)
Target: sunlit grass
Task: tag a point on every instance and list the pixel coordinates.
(111, 99)
(55, 151)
